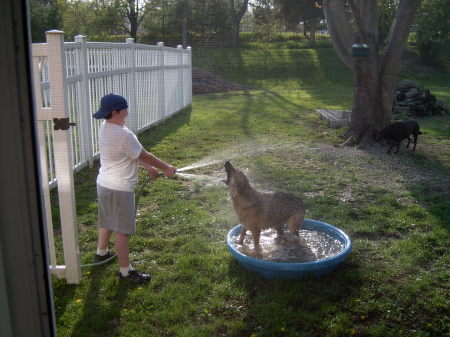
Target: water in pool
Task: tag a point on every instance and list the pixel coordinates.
(313, 246)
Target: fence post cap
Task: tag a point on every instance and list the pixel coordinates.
(129, 40)
(54, 31)
(188, 48)
(160, 44)
(80, 38)
(179, 46)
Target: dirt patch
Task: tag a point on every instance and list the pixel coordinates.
(203, 82)
(389, 171)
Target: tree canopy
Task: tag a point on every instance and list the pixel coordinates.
(44, 15)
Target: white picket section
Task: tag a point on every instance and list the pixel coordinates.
(155, 80)
(70, 78)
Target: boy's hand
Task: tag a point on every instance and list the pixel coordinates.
(169, 171)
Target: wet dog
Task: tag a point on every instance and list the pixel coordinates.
(394, 133)
(259, 210)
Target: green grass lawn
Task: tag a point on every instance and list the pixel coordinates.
(396, 209)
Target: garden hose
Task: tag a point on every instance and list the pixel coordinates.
(95, 264)
(139, 192)
(141, 188)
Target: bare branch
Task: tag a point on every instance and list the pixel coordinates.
(242, 8)
(125, 27)
(342, 34)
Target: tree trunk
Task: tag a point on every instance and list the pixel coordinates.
(234, 33)
(133, 31)
(237, 12)
(184, 23)
(312, 33)
(132, 15)
(366, 115)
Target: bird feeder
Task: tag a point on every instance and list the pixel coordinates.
(360, 50)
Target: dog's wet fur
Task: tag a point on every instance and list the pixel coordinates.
(394, 133)
(259, 210)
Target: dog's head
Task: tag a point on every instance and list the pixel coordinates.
(382, 137)
(378, 137)
(236, 180)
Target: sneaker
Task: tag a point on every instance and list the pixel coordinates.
(101, 258)
(136, 277)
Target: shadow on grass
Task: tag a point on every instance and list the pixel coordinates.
(245, 114)
(101, 306)
(427, 178)
(66, 294)
(287, 69)
(296, 305)
(165, 129)
(435, 196)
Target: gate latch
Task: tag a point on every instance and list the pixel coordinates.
(62, 123)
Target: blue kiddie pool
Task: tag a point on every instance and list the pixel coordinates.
(295, 270)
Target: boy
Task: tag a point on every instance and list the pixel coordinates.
(120, 154)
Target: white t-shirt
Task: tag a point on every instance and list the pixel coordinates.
(119, 152)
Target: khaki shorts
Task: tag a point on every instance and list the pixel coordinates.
(116, 210)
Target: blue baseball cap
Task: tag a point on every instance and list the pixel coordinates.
(108, 103)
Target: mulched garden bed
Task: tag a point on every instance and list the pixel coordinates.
(203, 82)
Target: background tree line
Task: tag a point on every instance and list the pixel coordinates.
(218, 22)
(147, 21)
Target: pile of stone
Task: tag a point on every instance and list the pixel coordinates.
(412, 99)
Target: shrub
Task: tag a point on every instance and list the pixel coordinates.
(433, 32)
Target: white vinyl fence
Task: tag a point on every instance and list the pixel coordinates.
(69, 80)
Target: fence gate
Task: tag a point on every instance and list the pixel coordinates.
(54, 132)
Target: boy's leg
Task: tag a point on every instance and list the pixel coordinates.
(122, 249)
(126, 270)
(102, 245)
(103, 238)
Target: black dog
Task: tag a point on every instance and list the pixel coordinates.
(394, 133)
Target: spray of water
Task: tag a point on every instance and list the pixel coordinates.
(198, 164)
(239, 150)
(193, 176)
(235, 151)
(201, 178)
